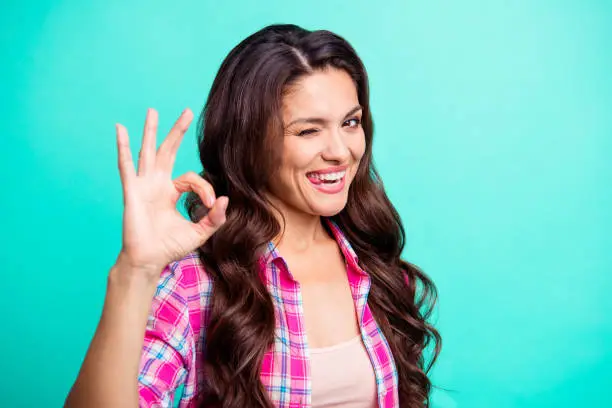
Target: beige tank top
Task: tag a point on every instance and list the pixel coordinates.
(342, 376)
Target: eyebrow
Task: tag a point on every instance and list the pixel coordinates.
(321, 121)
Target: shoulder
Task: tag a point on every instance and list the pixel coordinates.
(173, 337)
(187, 274)
(184, 288)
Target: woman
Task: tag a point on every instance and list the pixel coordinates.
(286, 287)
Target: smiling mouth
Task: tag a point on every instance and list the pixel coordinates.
(326, 178)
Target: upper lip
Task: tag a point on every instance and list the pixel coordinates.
(328, 170)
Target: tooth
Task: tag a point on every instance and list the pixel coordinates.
(329, 176)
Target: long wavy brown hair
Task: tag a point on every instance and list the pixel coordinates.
(239, 135)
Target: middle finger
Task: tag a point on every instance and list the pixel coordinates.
(146, 159)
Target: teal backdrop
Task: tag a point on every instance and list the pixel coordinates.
(493, 136)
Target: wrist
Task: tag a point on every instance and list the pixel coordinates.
(126, 272)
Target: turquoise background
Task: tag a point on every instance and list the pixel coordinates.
(493, 136)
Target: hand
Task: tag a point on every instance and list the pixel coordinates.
(154, 231)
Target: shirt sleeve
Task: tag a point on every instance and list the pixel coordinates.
(168, 343)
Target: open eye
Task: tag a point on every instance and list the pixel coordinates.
(353, 122)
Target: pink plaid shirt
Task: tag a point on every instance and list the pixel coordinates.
(174, 338)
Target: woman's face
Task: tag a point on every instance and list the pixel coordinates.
(323, 143)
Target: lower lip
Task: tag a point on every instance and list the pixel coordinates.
(330, 188)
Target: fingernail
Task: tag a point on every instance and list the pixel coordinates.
(210, 201)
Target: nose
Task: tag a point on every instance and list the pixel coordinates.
(336, 148)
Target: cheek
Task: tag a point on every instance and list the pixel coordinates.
(358, 146)
(297, 155)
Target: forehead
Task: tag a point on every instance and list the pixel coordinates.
(328, 93)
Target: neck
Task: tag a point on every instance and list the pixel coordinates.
(299, 230)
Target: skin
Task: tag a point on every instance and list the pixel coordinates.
(337, 139)
(155, 233)
(328, 96)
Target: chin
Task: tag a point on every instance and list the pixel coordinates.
(329, 210)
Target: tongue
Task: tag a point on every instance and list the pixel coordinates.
(316, 180)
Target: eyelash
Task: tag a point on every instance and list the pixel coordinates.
(357, 121)
(307, 132)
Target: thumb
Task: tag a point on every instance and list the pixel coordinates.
(215, 217)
